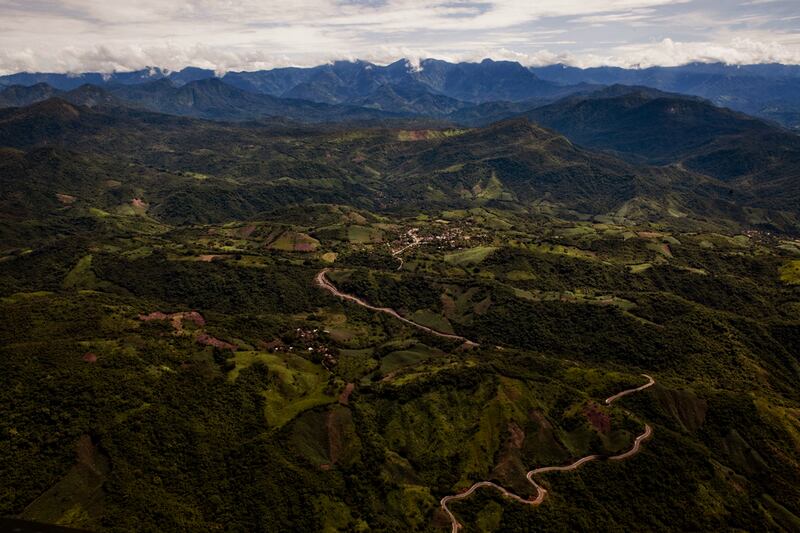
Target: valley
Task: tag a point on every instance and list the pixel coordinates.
(303, 322)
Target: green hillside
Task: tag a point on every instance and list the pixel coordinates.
(174, 357)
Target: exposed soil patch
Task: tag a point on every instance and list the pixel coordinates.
(176, 319)
(65, 199)
(344, 397)
(650, 234)
(482, 306)
(598, 419)
(246, 231)
(335, 443)
(448, 306)
(275, 345)
(207, 340)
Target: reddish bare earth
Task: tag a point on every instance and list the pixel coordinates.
(65, 199)
(207, 340)
(344, 397)
(246, 231)
(176, 318)
(650, 234)
(598, 419)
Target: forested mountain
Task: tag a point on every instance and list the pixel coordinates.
(509, 163)
(658, 128)
(436, 87)
(768, 91)
(208, 98)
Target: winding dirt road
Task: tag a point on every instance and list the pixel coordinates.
(617, 396)
(323, 282)
(541, 492)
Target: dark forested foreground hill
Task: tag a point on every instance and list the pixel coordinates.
(174, 357)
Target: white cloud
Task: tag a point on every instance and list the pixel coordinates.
(738, 51)
(106, 35)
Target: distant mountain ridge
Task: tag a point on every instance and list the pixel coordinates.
(208, 98)
(215, 99)
(435, 87)
(769, 91)
(648, 126)
(472, 82)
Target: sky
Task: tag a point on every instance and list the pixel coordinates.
(225, 35)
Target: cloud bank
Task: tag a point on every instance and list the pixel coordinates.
(115, 35)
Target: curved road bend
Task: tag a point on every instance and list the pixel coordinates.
(617, 396)
(322, 281)
(541, 492)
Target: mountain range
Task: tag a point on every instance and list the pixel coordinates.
(723, 168)
(731, 162)
(440, 88)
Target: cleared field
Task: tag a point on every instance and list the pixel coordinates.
(415, 354)
(432, 320)
(292, 241)
(363, 234)
(298, 384)
(471, 256)
(641, 267)
(790, 272)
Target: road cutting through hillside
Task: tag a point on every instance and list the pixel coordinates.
(323, 282)
(541, 492)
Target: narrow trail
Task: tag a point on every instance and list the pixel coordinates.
(323, 282)
(541, 492)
